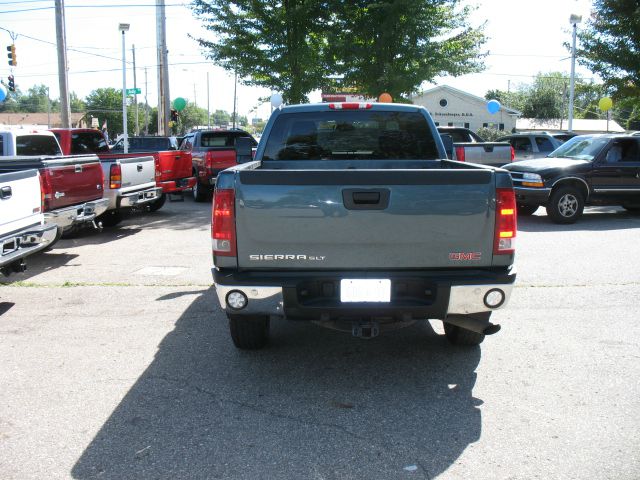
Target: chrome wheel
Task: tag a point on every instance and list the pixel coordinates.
(568, 205)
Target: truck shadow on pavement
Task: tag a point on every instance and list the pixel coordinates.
(40, 262)
(594, 219)
(314, 404)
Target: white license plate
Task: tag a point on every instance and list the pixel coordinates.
(365, 290)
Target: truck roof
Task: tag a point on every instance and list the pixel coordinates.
(322, 107)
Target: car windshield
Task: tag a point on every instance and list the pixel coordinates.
(582, 147)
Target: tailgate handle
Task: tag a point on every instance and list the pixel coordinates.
(366, 198)
(488, 148)
(5, 192)
(78, 168)
(139, 167)
(370, 199)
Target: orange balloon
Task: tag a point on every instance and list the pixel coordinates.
(385, 98)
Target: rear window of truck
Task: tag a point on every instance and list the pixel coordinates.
(221, 139)
(351, 135)
(37, 145)
(88, 142)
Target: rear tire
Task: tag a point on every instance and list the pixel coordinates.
(565, 205)
(461, 336)
(527, 210)
(110, 218)
(157, 204)
(249, 332)
(200, 193)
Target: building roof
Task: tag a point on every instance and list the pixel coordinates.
(580, 125)
(460, 93)
(42, 119)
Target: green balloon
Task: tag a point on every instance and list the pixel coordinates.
(179, 104)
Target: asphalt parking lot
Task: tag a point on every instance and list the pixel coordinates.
(115, 362)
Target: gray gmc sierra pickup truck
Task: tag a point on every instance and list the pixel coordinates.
(349, 217)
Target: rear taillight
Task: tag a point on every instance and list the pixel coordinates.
(223, 223)
(43, 190)
(460, 154)
(506, 225)
(115, 176)
(208, 162)
(350, 106)
(513, 154)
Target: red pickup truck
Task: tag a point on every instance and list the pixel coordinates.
(211, 151)
(173, 167)
(71, 187)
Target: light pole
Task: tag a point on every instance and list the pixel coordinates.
(574, 20)
(123, 27)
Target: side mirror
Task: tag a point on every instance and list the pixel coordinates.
(447, 140)
(243, 149)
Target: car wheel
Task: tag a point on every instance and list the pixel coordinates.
(249, 332)
(461, 336)
(200, 194)
(110, 218)
(157, 204)
(565, 205)
(527, 210)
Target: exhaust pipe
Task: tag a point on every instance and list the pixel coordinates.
(478, 323)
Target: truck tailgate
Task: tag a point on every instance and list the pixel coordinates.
(364, 219)
(137, 171)
(72, 182)
(20, 203)
(173, 165)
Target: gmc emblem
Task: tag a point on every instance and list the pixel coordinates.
(465, 256)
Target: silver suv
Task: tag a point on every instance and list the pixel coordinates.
(528, 145)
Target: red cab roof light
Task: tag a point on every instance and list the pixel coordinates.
(350, 106)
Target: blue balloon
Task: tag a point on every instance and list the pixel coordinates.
(493, 106)
(3, 93)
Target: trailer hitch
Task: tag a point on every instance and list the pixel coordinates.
(365, 329)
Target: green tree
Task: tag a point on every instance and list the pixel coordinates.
(220, 118)
(76, 104)
(610, 45)
(189, 117)
(106, 105)
(395, 45)
(269, 43)
(36, 100)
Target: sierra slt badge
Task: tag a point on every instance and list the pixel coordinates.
(463, 256)
(268, 258)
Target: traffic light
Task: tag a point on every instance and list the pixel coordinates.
(12, 55)
(174, 115)
(12, 84)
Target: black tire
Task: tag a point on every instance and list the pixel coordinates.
(110, 218)
(461, 336)
(527, 210)
(249, 332)
(157, 204)
(200, 192)
(58, 236)
(565, 205)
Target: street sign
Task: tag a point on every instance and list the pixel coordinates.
(94, 122)
(134, 91)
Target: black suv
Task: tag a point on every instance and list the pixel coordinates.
(586, 170)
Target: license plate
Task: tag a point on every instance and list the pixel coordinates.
(365, 290)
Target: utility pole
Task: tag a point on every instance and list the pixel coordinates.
(48, 109)
(573, 20)
(164, 100)
(135, 86)
(208, 111)
(146, 105)
(63, 70)
(235, 89)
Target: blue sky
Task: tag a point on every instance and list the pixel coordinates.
(525, 37)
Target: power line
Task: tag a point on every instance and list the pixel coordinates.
(95, 6)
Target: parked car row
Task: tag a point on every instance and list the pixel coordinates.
(55, 182)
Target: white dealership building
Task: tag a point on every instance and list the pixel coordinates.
(452, 107)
